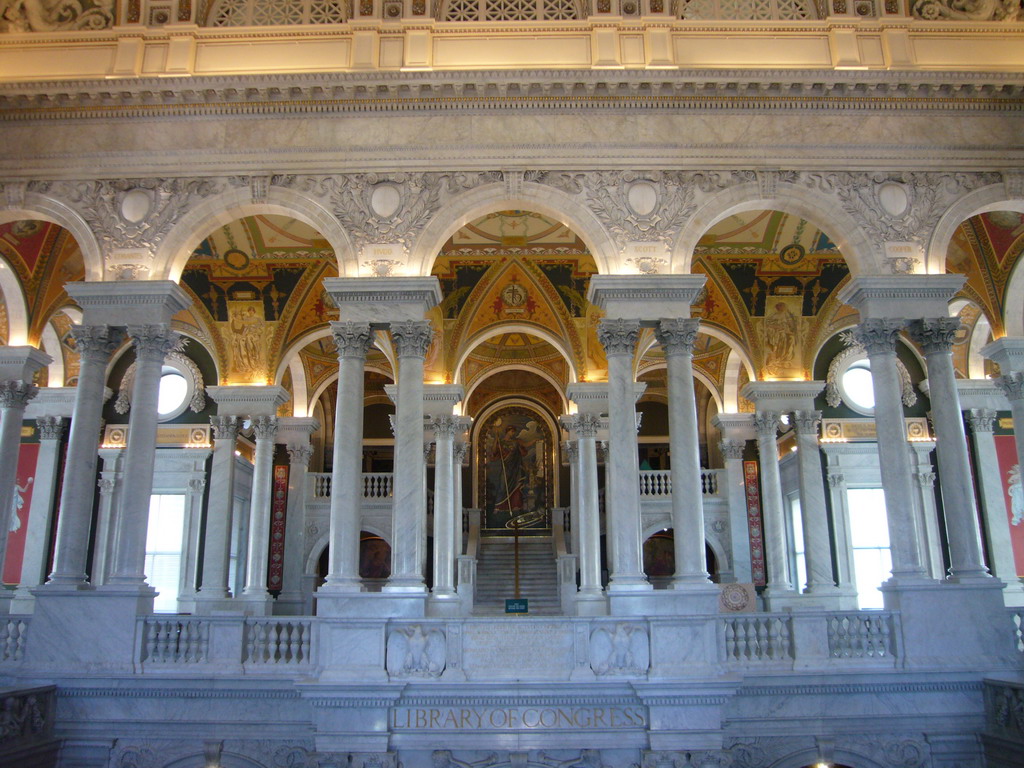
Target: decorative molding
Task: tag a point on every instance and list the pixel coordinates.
(196, 404)
(224, 427)
(265, 427)
(300, 454)
(352, 339)
(678, 335)
(731, 450)
(934, 334)
(16, 394)
(766, 424)
(96, 343)
(807, 422)
(855, 350)
(640, 208)
(51, 427)
(446, 426)
(982, 420)
(618, 336)
(1011, 385)
(990, 10)
(412, 337)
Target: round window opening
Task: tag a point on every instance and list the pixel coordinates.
(173, 394)
(858, 390)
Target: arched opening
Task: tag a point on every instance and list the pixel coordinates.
(660, 559)
(374, 562)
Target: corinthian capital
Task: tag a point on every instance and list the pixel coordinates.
(1011, 385)
(154, 342)
(16, 393)
(353, 340)
(678, 335)
(935, 334)
(224, 427)
(412, 337)
(766, 424)
(807, 422)
(445, 426)
(618, 337)
(265, 427)
(585, 425)
(878, 335)
(96, 343)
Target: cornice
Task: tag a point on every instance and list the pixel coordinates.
(487, 90)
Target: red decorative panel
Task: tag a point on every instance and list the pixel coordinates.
(278, 517)
(754, 525)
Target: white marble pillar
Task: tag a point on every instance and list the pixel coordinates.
(255, 588)
(409, 519)
(219, 508)
(841, 527)
(1012, 386)
(353, 340)
(766, 424)
(963, 531)
(444, 429)
(459, 452)
(813, 510)
(878, 337)
(151, 343)
(290, 600)
(95, 344)
(618, 337)
(993, 503)
(585, 427)
(106, 513)
(40, 517)
(14, 397)
(188, 575)
(677, 337)
(736, 498)
(572, 453)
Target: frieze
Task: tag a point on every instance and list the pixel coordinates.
(518, 718)
(637, 207)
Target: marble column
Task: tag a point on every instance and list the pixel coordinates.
(219, 507)
(290, 600)
(572, 452)
(106, 513)
(37, 535)
(353, 340)
(255, 588)
(409, 518)
(993, 503)
(739, 532)
(585, 427)
(95, 344)
(14, 396)
(677, 337)
(813, 510)
(152, 343)
(459, 452)
(878, 337)
(618, 337)
(189, 573)
(963, 531)
(766, 424)
(444, 429)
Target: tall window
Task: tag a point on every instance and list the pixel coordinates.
(163, 549)
(869, 534)
(798, 565)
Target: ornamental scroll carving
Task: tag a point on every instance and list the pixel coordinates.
(968, 10)
(55, 15)
(854, 351)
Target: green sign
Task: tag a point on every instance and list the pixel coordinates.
(518, 605)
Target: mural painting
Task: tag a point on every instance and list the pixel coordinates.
(1013, 488)
(515, 472)
(21, 503)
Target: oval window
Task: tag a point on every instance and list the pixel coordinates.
(858, 387)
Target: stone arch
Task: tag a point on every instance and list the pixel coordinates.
(812, 756)
(226, 760)
(711, 540)
(17, 307)
(186, 235)
(978, 339)
(482, 335)
(472, 204)
(36, 206)
(697, 374)
(991, 198)
(861, 255)
(514, 367)
(319, 544)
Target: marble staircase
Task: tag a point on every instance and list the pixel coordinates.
(495, 576)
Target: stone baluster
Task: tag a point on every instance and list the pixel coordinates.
(95, 344)
(993, 503)
(353, 340)
(766, 424)
(444, 429)
(813, 511)
(37, 535)
(255, 589)
(677, 337)
(152, 343)
(619, 338)
(878, 337)
(14, 396)
(219, 508)
(408, 556)
(963, 532)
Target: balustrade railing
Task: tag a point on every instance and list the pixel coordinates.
(757, 638)
(655, 483)
(12, 637)
(1017, 619)
(278, 642)
(860, 635)
(175, 640)
(376, 485)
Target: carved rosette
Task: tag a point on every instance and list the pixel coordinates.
(50, 427)
(618, 337)
(265, 427)
(412, 337)
(678, 335)
(878, 335)
(353, 340)
(154, 342)
(981, 420)
(807, 422)
(731, 449)
(300, 454)
(96, 343)
(1011, 385)
(766, 424)
(16, 393)
(224, 427)
(935, 334)
(445, 426)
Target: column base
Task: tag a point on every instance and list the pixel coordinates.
(371, 605)
(446, 606)
(629, 583)
(23, 603)
(666, 602)
(7, 594)
(217, 605)
(1013, 594)
(591, 604)
(405, 587)
(778, 598)
(289, 604)
(255, 604)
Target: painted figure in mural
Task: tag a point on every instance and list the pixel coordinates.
(780, 336)
(506, 472)
(245, 341)
(17, 502)
(1016, 491)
